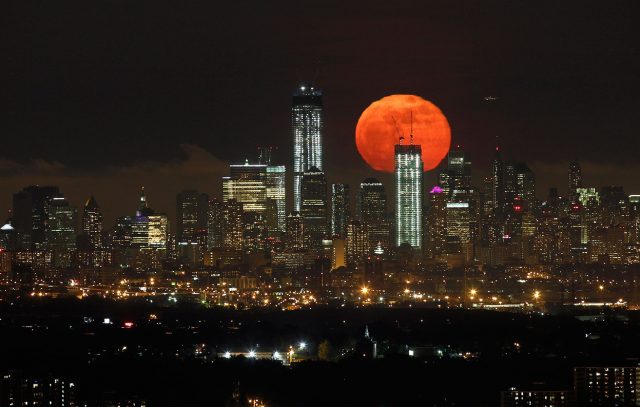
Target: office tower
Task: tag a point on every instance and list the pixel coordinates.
(314, 207)
(158, 231)
(497, 184)
(509, 180)
(525, 186)
(634, 209)
(215, 221)
(232, 225)
(456, 180)
(357, 242)
(436, 227)
(575, 179)
(260, 188)
(140, 222)
(191, 216)
(121, 235)
(295, 231)
(275, 180)
(340, 209)
(372, 205)
(607, 386)
(306, 123)
(29, 215)
(92, 224)
(246, 184)
(61, 230)
(458, 220)
(408, 169)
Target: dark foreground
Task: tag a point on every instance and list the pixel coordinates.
(176, 356)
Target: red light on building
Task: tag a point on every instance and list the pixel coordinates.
(128, 325)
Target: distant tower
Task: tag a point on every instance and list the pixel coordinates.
(314, 207)
(340, 209)
(372, 205)
(92, 224)
(61, 230)
(575, 179)
(215, 219)
(191, 215)
(306, 122)
(497, 181)
(408, 171)
(295, 231)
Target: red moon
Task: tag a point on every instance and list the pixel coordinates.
(377, 133)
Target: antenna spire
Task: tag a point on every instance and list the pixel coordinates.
(400, 136)
(411, 132)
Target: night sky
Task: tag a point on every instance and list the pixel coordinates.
(103, 96)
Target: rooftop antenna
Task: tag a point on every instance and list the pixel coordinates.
(400, 136)
(411, 133)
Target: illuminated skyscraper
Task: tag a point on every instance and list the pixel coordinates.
(215, 218)
(372, 205)
(232, 226)
(340, 209)
(358, 245)
(306, 122)
(436, 235)
(61, 230)
(314, 207)
(295, 231)
(247, 186)
(92, 224)
(140, 223)
(525, 185)
(575, 179)
(408, 171)
(158, 231)
(191, 215)
(276, 197)
(497, 181)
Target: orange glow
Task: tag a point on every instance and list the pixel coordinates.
(376, 133)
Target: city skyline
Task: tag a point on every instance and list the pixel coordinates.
(580, 90)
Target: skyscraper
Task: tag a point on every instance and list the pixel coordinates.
(92, 224)
(575, 179)
(408, 169)
(140, 222)
(340, 209)
(372, 205)
(295, 231)
(497, 181)
(358, 245)
(232, 226)
(276, 197)
(306, 122)
(314, 207)
(215, 219)
(191, 215)
(61, 230)
(30, 217)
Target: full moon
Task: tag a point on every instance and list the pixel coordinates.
(383, 123)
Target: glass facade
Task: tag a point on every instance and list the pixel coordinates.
(408, 171)
(306, 123)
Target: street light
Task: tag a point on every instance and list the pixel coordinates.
(536, 295)
(364, 290)
(302, 345)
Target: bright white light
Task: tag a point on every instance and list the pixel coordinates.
(227, 355)
(252, 353)
(276, 355)
(302, 345)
